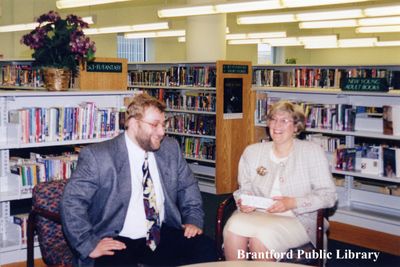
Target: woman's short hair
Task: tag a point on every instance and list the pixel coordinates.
(139, 104)
(294, 110)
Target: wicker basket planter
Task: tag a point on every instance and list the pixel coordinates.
(56, 79)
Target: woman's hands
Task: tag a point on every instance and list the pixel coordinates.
(282, 204)
(243, 208)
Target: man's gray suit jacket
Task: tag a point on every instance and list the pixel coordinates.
(96, 198)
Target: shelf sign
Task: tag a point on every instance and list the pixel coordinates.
(104, 67)
(233, 98)
(238, 69)
(366, 84)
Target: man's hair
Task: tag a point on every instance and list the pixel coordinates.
(139, 104)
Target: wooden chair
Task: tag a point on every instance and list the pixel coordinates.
(45, 221)
(228, 206)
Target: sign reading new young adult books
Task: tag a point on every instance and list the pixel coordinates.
(366, 84)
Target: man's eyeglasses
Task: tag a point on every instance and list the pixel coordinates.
(155, 125)
(275, 121)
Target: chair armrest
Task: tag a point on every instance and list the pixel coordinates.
(224, 211)
(321, 215)
(55, 217)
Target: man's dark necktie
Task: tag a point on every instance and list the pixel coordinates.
(150, 207)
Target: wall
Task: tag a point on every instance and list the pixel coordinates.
(376, 55)
(168, 49)
(359, 55)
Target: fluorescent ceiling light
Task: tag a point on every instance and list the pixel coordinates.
(289, 41)
(330, 15)
(254, 35)
(305, 3)
(320, 45)
(245, 41)
(318, 38)
(391, 28)
(131, 28)
(80, 3)
(357, 42)
(264, 19)
(328, 24)
(186, 11)
(315, 42)
(236, 36)
(181, 39)
(18, 27)
(245, 6)
(172, 33)
(248, 6)
(388, 43)
(379, 21)
(31, 26)
(382, 11)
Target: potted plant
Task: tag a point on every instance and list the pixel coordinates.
(60, 46)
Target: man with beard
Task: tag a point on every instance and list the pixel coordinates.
(133, 199)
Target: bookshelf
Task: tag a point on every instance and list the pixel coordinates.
(12, 187)
(102, 74)
(20, 74)
(212, 139)
(368, 212)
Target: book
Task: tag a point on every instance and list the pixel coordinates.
(346, 159)
(256, 201)
(371, 160)
(389, 162)
(387, 120)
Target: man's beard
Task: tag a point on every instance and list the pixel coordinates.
(146, 145)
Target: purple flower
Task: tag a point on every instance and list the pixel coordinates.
(60, 42)
(52, 16)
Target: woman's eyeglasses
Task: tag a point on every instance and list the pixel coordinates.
(275, 121)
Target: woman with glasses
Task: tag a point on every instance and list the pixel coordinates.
(294, 180)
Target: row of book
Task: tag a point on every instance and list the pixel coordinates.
(86, 121)
(375, 160)
(321, 77)
(203, 76)
(192, 124)
(197, 148)
(24, 75)
(339, 117)
(42, 168)
(328, 143)
(369, 185)
(376, 187)
(21, 75)
(186, 100)
(342, 117)
(14, 229)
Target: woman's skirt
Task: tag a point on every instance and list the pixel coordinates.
(278, 233)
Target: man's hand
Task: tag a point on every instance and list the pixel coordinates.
(191, 230)
(106, 246)
(244, 208)
(282, 204)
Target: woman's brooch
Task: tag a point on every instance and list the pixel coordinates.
(261, 171)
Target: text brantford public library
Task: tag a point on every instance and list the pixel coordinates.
(345, 254)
